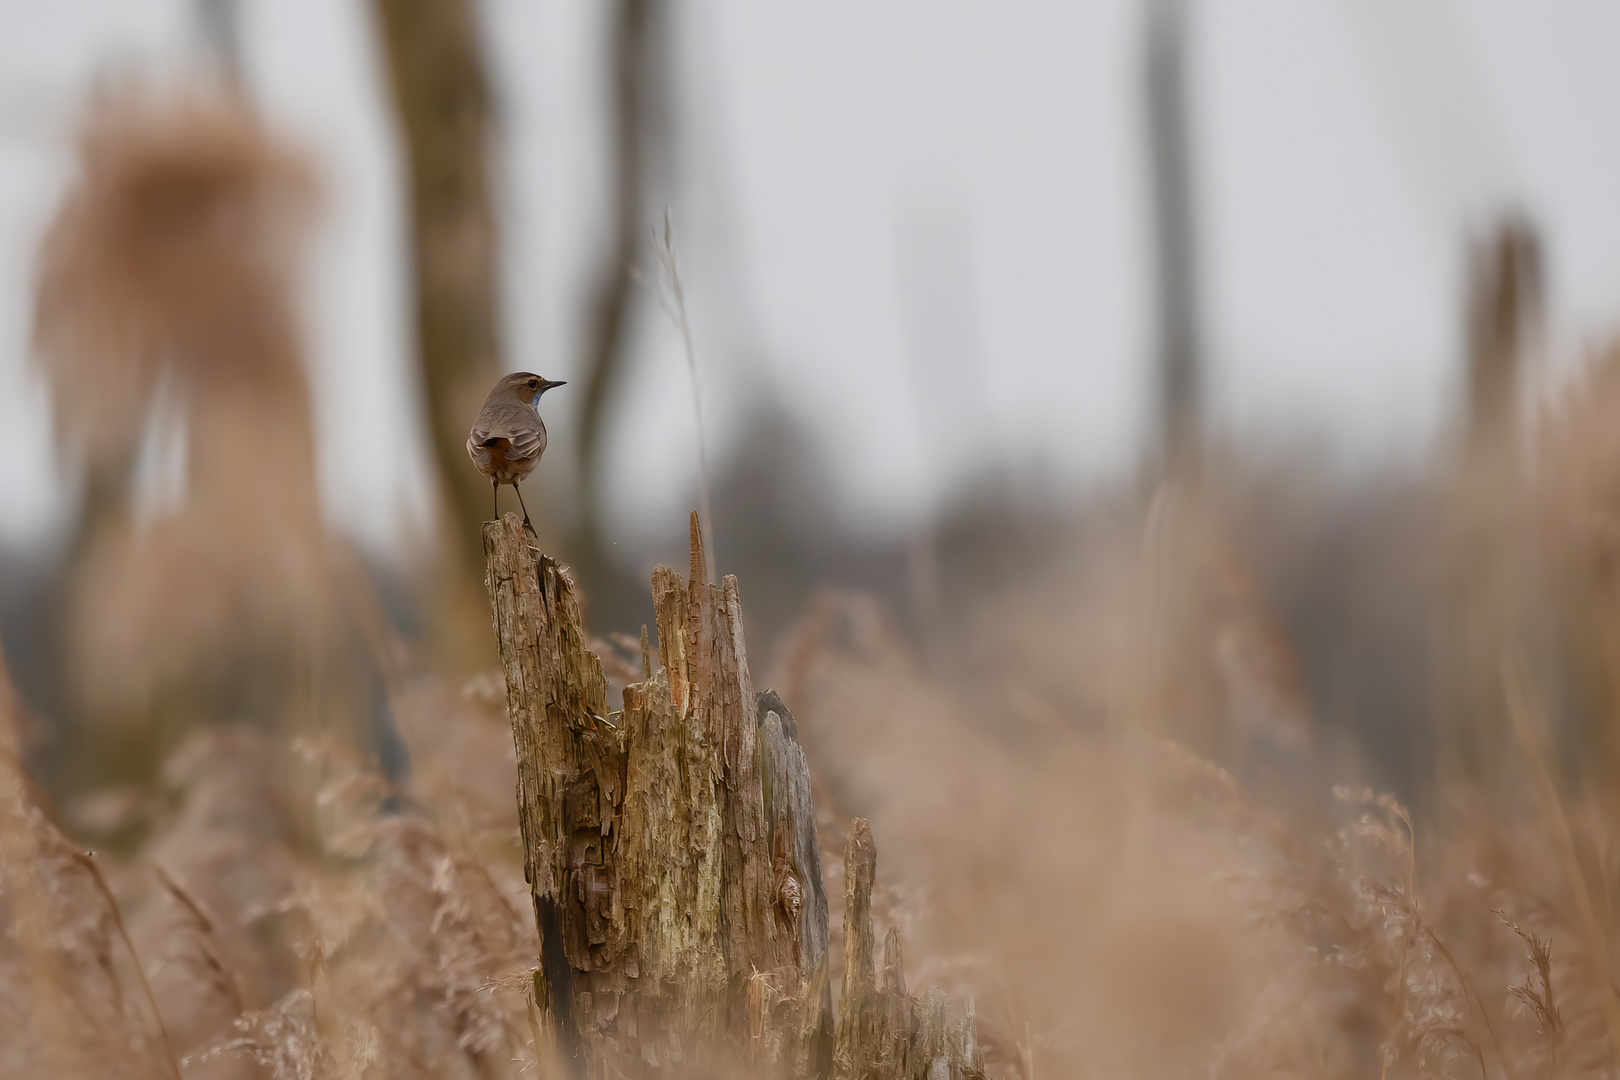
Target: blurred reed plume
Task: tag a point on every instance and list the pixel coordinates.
(175, 251)
(168, 316)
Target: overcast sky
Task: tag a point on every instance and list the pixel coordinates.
(920, 225)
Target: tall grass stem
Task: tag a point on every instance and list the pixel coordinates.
(674, 302)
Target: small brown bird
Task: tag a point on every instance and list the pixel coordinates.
(508, 437)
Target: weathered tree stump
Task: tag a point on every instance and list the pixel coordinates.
(671, 851)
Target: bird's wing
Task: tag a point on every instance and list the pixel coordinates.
(476, 448)
(527, 445)
(518, 422)
(520, 430)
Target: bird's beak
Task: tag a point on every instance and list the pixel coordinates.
(547, 384)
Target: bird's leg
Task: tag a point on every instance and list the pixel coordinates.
(495, 496)
(529, 524)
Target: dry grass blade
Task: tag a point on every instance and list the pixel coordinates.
(675, 306)
(1530, 728)
(1536, 992)
(73, 1016)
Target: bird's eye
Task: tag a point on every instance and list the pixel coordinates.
(534, 384)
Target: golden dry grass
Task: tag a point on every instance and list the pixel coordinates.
(1116, 902)
(1107, 807)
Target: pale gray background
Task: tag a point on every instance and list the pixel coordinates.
(920, 224)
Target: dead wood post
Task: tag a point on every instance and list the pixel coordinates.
(671, 848)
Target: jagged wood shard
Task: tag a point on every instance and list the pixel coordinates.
(671, 851)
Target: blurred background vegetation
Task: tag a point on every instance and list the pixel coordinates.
(932, 357)
(1239, 375)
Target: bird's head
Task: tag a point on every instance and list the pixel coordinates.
(528, 386)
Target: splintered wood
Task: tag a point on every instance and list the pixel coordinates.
(671, 850)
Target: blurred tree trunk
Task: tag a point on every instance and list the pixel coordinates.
(633, 97)
(1488, 588)
(1175, 234)
(219, 25)
(1505, 298)
(439, 87)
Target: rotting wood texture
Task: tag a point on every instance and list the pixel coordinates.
(671, 851)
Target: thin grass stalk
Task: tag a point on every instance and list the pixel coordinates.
(18, 857)
(1474, 1001)
(84, 859)
(1151, 705)
(675, 307)
(1530, 726)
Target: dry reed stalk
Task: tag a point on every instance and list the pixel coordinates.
(675, 307)
(85, 1010)
(1535, 993)
(406, 947)
(1530, 727)
(208, 876)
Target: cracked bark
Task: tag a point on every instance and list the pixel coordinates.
(671, 851)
